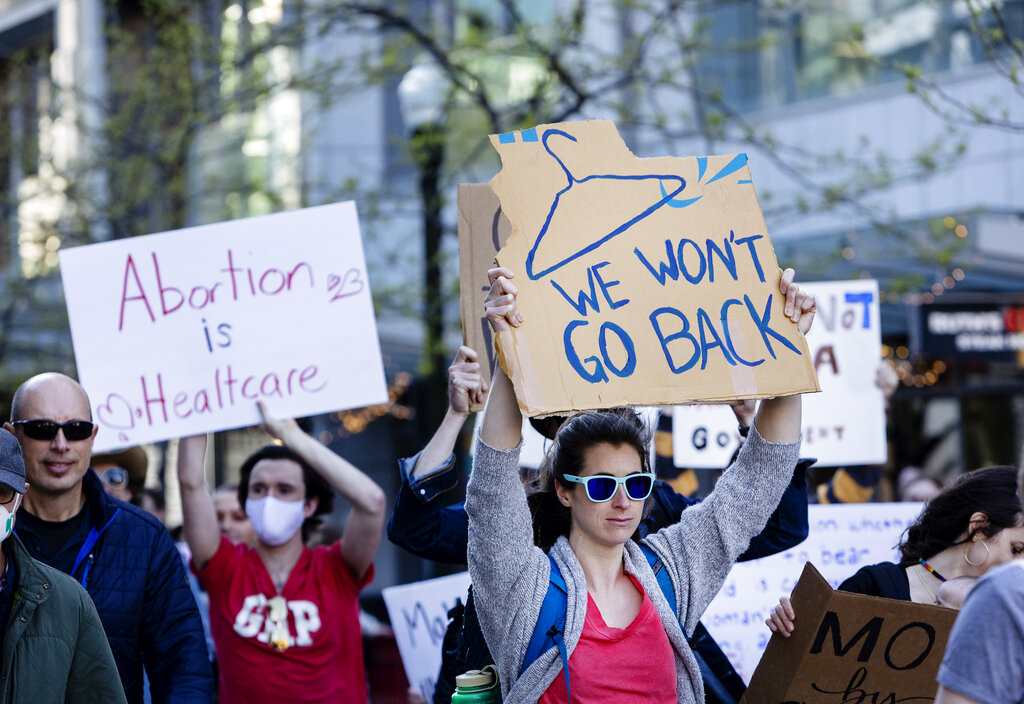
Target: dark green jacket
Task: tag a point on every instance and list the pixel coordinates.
(55, 650)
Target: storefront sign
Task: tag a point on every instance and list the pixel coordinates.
(979, 331)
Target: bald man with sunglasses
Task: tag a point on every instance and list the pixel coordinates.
(123, 557)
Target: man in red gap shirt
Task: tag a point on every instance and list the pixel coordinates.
(284, 618)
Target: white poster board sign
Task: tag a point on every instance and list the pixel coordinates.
(419, 617)
(843, 538)
(704, 436)
(844, 425)
(182, 332)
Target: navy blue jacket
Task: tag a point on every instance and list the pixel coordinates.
(440, 533)
(136, 578)
(886, 579)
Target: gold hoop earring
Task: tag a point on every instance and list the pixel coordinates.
(967, 555)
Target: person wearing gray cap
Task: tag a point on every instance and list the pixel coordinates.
(54, 648)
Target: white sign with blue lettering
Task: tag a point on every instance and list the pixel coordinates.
(843, 538)
(844, 425)
(419, 618)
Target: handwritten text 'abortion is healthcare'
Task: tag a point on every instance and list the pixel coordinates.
(642, 281)
(182, 332)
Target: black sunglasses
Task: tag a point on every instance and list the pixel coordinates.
(47, 429)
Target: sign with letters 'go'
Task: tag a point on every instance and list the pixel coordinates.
(844, 425)
(642, 281)
(182, 332)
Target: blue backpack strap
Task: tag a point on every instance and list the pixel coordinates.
(661, 574)
(550, 628)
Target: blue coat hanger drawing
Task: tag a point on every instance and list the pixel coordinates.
(537, 266)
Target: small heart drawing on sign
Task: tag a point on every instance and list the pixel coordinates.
(116, 413)
(349, 285)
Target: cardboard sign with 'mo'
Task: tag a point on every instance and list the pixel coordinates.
(842, 539)
(642, 281)
(850, 647)
(182, 332)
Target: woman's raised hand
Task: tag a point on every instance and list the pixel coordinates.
(503, 421)
(800, 305)
(500, 305)
(781, 620)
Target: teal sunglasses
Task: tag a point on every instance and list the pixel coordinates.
(602, 487)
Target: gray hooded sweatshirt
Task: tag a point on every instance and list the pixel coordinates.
(511, 575)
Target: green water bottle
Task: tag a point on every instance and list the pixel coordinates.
(477, 687)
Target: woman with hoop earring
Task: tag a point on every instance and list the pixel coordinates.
(965, 531)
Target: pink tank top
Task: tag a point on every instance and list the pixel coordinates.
(621, 665)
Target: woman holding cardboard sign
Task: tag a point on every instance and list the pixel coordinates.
(599, 601)
(964, 531)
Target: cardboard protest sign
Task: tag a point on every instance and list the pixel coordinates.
(483, 230)
(642, 281)
(844, 425)
(850, 647)
(841, 540)
(182, 332)
(419, 617)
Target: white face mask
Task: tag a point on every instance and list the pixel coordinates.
(275, 521)
(7, 518)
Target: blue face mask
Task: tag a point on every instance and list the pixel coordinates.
(275, 521)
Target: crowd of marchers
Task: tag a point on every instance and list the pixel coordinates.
(100, 604)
